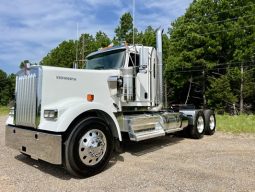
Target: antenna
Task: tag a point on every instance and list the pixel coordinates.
(133, 22)
(77, 45)
(134, 29)
(83, 49)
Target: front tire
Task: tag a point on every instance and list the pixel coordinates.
(88, 148)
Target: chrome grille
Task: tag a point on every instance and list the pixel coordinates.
(25, 114)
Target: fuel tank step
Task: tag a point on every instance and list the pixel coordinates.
(145, 126)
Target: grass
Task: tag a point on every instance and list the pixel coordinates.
(236, 124)
(4, 110)
(225, 123)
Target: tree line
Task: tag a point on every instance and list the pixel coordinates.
(7, 85)
(212, 49)
(208, 53)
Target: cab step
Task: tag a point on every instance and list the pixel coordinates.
(143, 135)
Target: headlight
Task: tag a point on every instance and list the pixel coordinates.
(51, 114)
(11, 113)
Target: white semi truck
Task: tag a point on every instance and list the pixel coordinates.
(76, 117)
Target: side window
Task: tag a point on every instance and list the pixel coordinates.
(134, 61)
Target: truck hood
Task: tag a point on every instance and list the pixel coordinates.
(59, 84)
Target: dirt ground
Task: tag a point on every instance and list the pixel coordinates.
(223, 162)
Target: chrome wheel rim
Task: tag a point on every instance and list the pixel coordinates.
(200, 124)
(92, 147)
(212, 122)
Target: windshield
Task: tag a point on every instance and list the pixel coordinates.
(108, 60)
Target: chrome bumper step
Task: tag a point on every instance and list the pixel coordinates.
(38, 145)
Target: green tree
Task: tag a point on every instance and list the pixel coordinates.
(124, 31)
(69, 52)
(3, 82)
(212, 37)
(102, 40)
(149, 37)
(7, 85)
(125, 27)
(61, 56)
(220, 95)
(87, 44)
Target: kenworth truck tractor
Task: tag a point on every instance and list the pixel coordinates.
(76, 117)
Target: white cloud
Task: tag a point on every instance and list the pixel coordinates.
(162, 12)
(98, 3)
(30, 29)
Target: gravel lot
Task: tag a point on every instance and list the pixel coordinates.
(223, 162)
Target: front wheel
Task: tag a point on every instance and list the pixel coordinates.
(88, 148)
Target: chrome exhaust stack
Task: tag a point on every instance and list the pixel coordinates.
(160, 93)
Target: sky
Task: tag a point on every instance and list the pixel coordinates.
(29, 29)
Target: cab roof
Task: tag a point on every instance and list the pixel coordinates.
(104, 50)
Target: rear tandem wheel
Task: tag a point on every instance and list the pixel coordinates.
(210, 122)
(197, 130)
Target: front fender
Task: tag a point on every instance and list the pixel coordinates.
(69, 110)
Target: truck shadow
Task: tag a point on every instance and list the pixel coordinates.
(151, 145)
(134, 148)
(54, 170)
(144, 147)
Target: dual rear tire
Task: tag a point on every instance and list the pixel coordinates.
(204, 123)
(210, 122)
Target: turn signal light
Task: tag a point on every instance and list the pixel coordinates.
(90, 97)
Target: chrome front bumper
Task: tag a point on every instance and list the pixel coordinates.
(38, 145)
